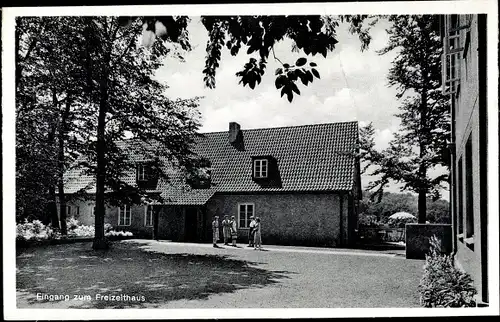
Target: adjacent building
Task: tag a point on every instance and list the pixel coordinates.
(464, 79)
(302, 181)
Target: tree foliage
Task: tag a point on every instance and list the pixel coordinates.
(391, 203)
(258, 35)
(92, 83)
(421, 143)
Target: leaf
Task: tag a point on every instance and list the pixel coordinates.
(279, 71)
(283, 91)
(280, 81)
(295, 88)
(310, 77)
(301, 62)
(289, 95)
(286, 66)
(315, 73)
(312, 64)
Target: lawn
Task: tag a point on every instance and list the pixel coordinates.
(58, 273)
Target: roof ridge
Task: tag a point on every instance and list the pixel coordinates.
(283, 127)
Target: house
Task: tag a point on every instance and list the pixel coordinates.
(302, 181)
(464, 79)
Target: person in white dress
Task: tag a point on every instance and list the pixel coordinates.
(234, 230)
(257, 237)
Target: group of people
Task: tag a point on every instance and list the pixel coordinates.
(230, 232)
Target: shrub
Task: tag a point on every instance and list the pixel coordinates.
(113, 233)
(368, 220)
(107, 227)
(401, 222)
(72, 223)
(444, 285)
(34, 231)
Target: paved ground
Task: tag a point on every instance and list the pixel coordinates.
(278, 277)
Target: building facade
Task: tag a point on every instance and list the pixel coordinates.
(303, 182)
(464, 79)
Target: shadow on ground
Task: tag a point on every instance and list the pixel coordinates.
(127, 271)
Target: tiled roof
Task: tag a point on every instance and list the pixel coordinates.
(309, 158)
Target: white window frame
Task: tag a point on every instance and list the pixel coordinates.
(262, 164)
(92, 210)
(68, 211)
(125, 210)
(148, 210)
(451, 57)
(247, 215)
(141, 172)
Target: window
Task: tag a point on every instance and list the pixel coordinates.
(245, 211)
(92, 211)
(260, 168)
(451, 56)
(142, 172)
(148, 216)
(124, 218)
(77, 211)
(469, 196)
(68, 211)
(460, 197)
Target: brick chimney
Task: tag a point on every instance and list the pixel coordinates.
(234, 132)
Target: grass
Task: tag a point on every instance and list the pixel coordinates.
(127, 269)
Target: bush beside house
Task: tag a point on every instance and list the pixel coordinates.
(35, 232)
(443, 284)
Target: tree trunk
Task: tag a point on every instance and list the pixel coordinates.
(60, 184)
(422, 170)
(422, 201)
(53, 217)
(99, 239)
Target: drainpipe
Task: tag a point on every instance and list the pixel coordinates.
(341, 208)
(452, 179)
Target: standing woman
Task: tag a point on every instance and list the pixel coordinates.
(257, 240)
(226, 229)
(234, 230)
(215, 230)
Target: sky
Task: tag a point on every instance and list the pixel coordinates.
(353, 87)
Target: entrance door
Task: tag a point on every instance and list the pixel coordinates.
(191, 227)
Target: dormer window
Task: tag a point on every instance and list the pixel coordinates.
(260, 168)
(142, 172)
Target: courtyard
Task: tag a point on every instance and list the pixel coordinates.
(161, 274)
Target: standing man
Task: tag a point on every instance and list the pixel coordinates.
(226, 229)
(215, 230)
(251, 231)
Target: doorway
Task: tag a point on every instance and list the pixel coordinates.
(191, 227)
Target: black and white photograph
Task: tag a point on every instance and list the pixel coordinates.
(225, 161)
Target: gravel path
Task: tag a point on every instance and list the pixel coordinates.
(314, 278)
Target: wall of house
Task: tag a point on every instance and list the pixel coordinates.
(467, 125)
(85, 216)
(288, 219)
